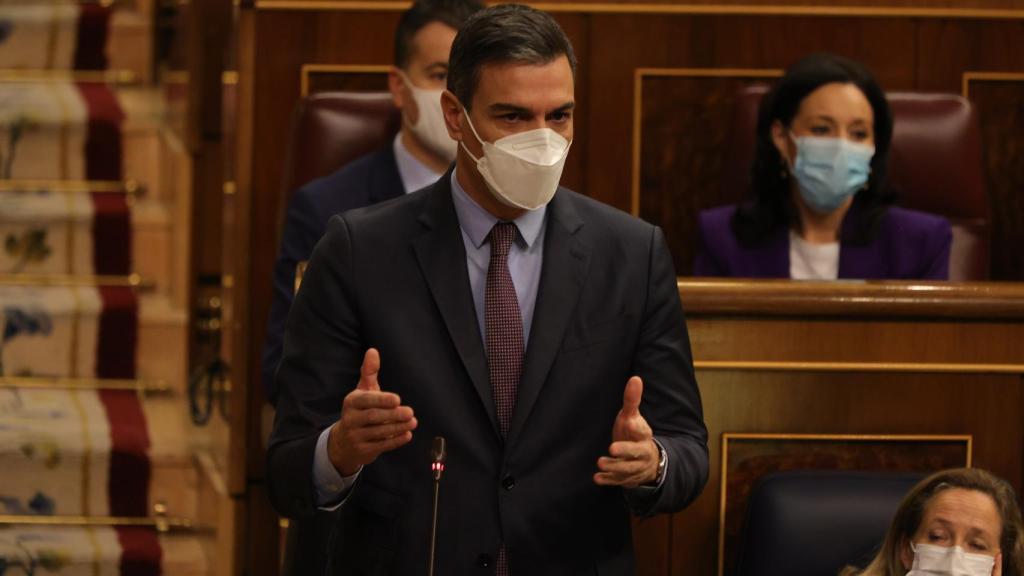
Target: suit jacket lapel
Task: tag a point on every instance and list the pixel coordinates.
(566, 258)
(442, 258)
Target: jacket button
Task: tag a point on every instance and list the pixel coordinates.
(508, 482)
(484, 560)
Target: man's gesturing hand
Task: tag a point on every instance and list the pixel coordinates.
(372, 422)
(633, 456)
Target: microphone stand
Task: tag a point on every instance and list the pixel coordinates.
(438, 456)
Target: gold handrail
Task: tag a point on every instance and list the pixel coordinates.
(147, 387)
(113, 77)
(129, 281)
(160, 524)
(129, 187)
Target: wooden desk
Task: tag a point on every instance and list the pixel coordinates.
(885, 358)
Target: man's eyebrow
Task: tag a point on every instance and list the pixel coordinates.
(504, 108)
(564, 108)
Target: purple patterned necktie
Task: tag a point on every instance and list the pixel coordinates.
(504, 332)
(503, 325)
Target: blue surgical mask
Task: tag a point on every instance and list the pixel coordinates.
(830, 170)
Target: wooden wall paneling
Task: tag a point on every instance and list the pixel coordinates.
(1008, 9)
(343, 77)
(999, 99)
(681, 126)
(577, 28)
(815, 338)
(950, 49)
(987, 407)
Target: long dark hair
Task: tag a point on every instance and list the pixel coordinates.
(769, 205)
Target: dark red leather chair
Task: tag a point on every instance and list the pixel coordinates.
(935, 166)
(331, 129)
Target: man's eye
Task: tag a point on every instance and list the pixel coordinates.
(510, 117)
(560, 116)
(439, 76)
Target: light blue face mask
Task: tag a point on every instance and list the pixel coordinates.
(830, 170)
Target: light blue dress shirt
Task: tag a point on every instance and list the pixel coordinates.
(415, 175)
(525, 261)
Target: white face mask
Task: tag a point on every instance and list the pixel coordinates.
(430, 129)
(522, 170)
(930, 560)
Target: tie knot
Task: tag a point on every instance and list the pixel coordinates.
(502, 236)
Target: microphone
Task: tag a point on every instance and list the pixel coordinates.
(438, 455)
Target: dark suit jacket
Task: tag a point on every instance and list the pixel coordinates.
(393, 276)
(368, 180)
(909, 245)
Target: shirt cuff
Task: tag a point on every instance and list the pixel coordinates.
(330, 487)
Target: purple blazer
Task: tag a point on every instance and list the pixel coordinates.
(910, 245)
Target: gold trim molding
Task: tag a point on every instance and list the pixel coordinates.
(970, 76)
(158, 523)
(146, 387)
(727, 436)
(310, 69)
(886, 367)
(674, 9)
(130, 281)
(115, 77)
(638, 92)
(130, 187)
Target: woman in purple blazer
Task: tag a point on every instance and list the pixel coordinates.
(818, 206)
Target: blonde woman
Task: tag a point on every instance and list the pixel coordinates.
(960, 522)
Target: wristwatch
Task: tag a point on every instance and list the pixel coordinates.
(662, 463)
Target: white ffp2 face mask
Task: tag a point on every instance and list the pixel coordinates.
(522, 170)
(429, 128)
(931, 560)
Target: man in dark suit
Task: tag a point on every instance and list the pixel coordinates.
(417, 157)
(538, 331)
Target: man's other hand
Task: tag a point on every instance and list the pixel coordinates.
(372, 422)
(633, 456)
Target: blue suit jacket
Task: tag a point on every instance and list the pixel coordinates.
(368, 180)
(909, 245)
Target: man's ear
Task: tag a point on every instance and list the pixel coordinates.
(397, 87)
(780, 137)
(451, 109)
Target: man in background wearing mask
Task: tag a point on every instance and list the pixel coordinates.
(538, 331)
(417, 157)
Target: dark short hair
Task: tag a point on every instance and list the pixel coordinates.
(769, 204)
(505, 33)
(452, 13)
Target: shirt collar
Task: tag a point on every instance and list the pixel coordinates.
(477, 222)
(414, 174)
